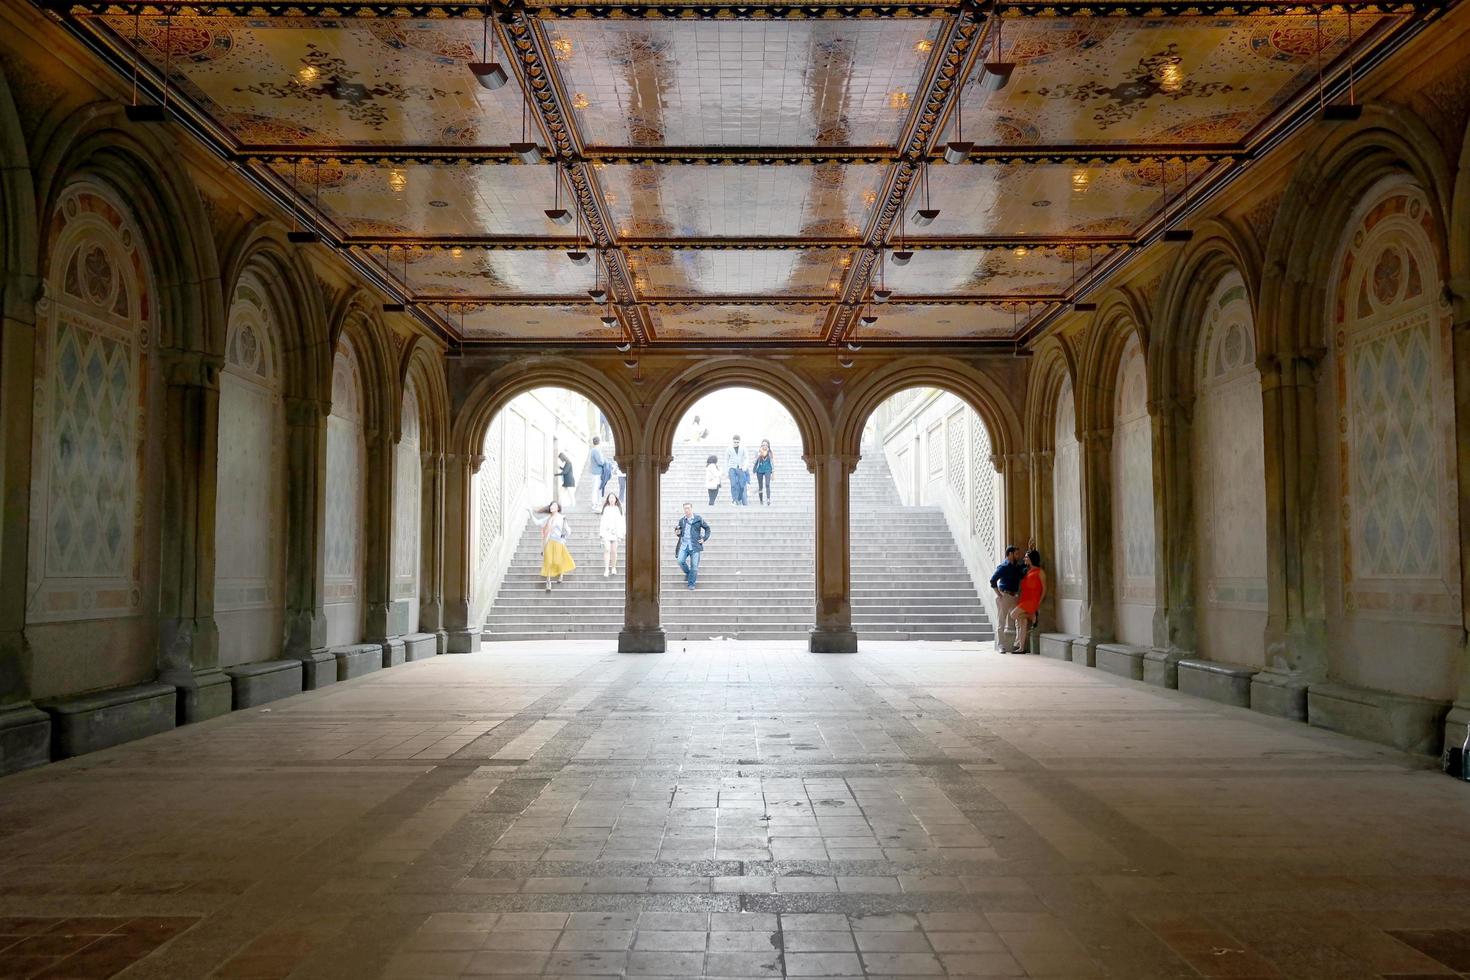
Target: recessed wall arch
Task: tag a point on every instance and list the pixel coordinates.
(423, 363)
(95, 143)
(1120, 316)
(356, 319)
(1053, 365)
(790, 390)
(977, 389)
(495, 390)
(1317, 210)
(19, 236)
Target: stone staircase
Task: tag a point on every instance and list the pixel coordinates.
(756, 577)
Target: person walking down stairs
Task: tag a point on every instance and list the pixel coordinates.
(764, 465)
(712, 478)
(612, 528)
(556, 560)
(735, 463)
(567, 480)
(690, 534)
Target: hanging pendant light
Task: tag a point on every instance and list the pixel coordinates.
(578, 256)
(488, 71)
(597, 293)
(997, 72)
(397, 307)
(923, 217)
(526, 149)
(1352, 111)
(1176, 234)
(149, 112)
(557, 214)
(299, 235)
(958, 149)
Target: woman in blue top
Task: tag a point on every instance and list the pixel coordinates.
(763, 467)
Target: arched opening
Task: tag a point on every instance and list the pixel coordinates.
(346, 492)
(1135, 593)
(737, 461)
(250, 516)
(1068, 573)
(522, 587)
(926, 531)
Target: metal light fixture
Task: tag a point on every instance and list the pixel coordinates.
(1085, 307)
(487, 71)
(844, 362)
(557, 214)
(958, 149)
(598, 294)
(578, 256)
(882, 295)
(299, 235)
(397, 307)
(997, 72)
(151, 112)
(902, 257)
(854, 346)
(1176, 234)
(609, 320)
(1351, 112)
(624, 347)
(923, 217)
(526, 149)
(868, 319)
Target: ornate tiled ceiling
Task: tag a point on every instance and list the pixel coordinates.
(739, 173)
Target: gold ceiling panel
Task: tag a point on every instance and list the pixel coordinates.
(1120, 80)
(1045, 200)
(525, 322)
(904, 321)
(821, 83)
(431, 200)
(808, 273)
(731, 322)
(754, 201)
(317, 81)
(993, 272)
(491, 273)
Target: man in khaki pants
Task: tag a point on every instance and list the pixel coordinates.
(1006, 584)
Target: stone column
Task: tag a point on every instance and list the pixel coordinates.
(1016, 526)
(1098, 611)
(188, 638)
(431, 551)
(833, 632)
(25, 731)
(1459, 716)
(1042, 533)
(306, 539)
(385, 618)
(1296, 626)
(642, 631)
(1174, 557)
(459, 551)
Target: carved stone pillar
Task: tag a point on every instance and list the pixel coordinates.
(188, 639)
(1099, 613)
(431, 551)
(1296, 625)
(383, 624)
(1459, 716)
(1174, 552)
(459, 551)
(306, 519)
(642, 630)
(833, 632)
(1042, 533)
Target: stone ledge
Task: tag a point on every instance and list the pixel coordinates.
(25, 737)
(90, 722)
(420, 646)
(1122, 659)
(1161, 668)
(1058, 646)
(357, 659)
(1409, 723)
(318, 670)
(1278, 694)
(393, 652)
(260, 683)
(832, 641)
(1217, 681)
(209, 696)
(1084, 651)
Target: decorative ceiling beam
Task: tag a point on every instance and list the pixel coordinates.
(952, 243)
(731, 10)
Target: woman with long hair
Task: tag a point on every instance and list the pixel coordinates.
(556, 560)
(1033, 590)
(712, 478)
(613, 527)
(764, 465)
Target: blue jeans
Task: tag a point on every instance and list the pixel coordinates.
(734, 486)
(689, 562)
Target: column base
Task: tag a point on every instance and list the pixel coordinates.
(1282, 695)
(832, 641)
(463, 641)
(210, 695)
(25, 737)
(441, 641)
(642, 641)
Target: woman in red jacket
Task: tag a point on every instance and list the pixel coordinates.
(1033, 590)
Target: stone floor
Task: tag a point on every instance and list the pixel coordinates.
(737, 810)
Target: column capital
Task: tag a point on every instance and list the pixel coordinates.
(305, 411)
(848, 461)
(433, 462)
(191, 368)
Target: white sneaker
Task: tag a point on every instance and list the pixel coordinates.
(605, 573)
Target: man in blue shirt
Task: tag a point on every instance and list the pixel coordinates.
(1006, 584)
(602, 467)
(691, 533)
(735, 463)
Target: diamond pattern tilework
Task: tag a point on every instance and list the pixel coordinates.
(741, 83)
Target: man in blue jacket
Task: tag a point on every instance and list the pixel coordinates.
(691, 533)
(1006, 584)
(603, 468)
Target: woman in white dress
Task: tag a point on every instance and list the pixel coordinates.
(613, 528)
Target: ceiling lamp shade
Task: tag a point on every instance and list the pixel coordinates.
(1350, 112)
(302, 237)
(579, 258)
(489, 74)
(1085, 307)
(925, 216)
(560, 216)
(902, 257)
(393, 307)
(598, 294)
(528, 152)
(145, 113)
(868, 319)
(1178, 235)
(958, 151)
(624, 347)
(882, 295)
(997, 75)
(609, 320)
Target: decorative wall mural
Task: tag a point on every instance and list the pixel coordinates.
(1392, 379)
(91, 416)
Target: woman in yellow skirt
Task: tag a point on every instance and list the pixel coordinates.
(556, 560)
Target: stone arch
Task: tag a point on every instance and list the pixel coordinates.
(684, 389)
(495, 391)
(423, 364)
(95, 143)
(19, 233)
(357, 319)
(1053, 364)
(974, 388)
(1317, 210)
(285, 275)
(1121, 316)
